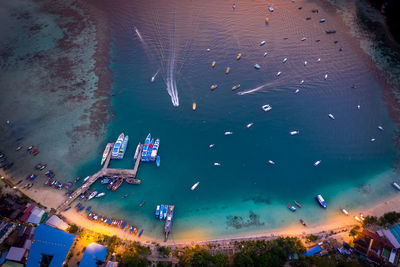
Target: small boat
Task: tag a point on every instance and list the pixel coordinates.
(161, 212)
(298, 204)
(101, 194)
(317, 163)
(208, 49)
(158, 211)
(142, 203)
(105, 153)
(331, 116)
(228, 133)
(125, 196)
(395, 185)
(321, 201)
(141, 232)
(249, 125)
(211, 146)
(228, 69)
(302, 81)
(345, 212)
(380, 128)
(87, 178)
(266, 20)
(262, 43)
(302, 222)
(257, 67)
(18, 148)
(154, 76)
(357, 219)
(291, 208)
(154, 150)
(136, 152)
(279, 73)
(105, 181)
(308, 18)
(194, 106)
(271, 162)
(305, 63)
(165, 211)
(322, 20)
(326, 76)
(212, 87)
(239, 56)
(358, 106)
(217, 164)
(213, 63)
(297, 90)
(284, 60)
(330, 32)
(362, 217)
(303, 39)
(266, 107)
(271, 9)
(233, 6)
(67, 208)
(372, 140)
(158, 161)
(29, 148)
(319, 60)
(92, 195)
(314, 11)
(294, 132)
(235, 87)
(194, 186)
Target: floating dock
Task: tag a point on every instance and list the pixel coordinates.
(105, 171)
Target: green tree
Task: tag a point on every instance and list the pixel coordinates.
(72, 229)
(128, 259)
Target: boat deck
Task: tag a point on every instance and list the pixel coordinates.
(105, 171)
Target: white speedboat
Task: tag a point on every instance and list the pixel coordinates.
(279, 73)
(217, 164)
(331, 116)
(358, 106)
(257, 67)
(297, 90)
(194, 186)
(294, 132)
(357, 219)
(321, 201)
(302, 81)
(345, 211)
(372, 140)
(271, 9)
(322, 20)
(262, 43)
(208, 49)
(317, 163)
(249, 125)
(211, 146)
(105, 153)
(319, 60)
(380, 128)
(303, 39)
(92, 195)
(396, 185)
(305, 63)
(228, 133)
(266, 107)
(265, 54)
(87, 178)
(271, 162)
(326, 76)
(101, 194)
(284, 60)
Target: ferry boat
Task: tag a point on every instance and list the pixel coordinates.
(92, 195)
(396, 185)
(135, 156)
(165, 211)
(212, 87)
(161, 212)
(228, 69)
(331, 116)
(168, 221)
(298, 204)
(158, 161)
(345, 211)
(158, 211)
(317, 163)
(213, 63)
(101, 194)
(105, 153)
(117, 146)
(321, 201)
(257, 67)
(239, 56)
(266, 107)
(194, 106)
(146, 147)
(155, 150)
(291, 208)
(262, 43)
(194, 186)
(235, 87)
(122, 150)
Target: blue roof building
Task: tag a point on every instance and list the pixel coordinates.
(94, 254)
(49, 245)
(312, 251)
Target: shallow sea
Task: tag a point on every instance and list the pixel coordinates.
(245, 194)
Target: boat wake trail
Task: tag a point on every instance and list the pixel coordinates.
(259, 88)
(139, 35)
(170, 81)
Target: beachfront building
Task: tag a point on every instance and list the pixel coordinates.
(95, 254)
(50, 246)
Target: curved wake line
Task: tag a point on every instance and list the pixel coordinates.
(171, 82)
(256, 89)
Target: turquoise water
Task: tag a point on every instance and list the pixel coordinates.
(245, 194)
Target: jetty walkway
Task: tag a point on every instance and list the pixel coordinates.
(105, 171)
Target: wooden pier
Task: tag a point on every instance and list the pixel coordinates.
(105, 171)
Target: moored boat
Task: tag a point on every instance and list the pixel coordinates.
(122, 150)
(395, 185)
(321, 201)
(161, 211)
(117, 146)
(154, 150)
(117, 184)
(158, 211)
(291, 208)
(105, 153)
(165, 211)
(146, 147)
(297, 203)
(140, 233)
(100, 195)
(158, 161)
(345, 211)
(168, 221)
(92, 195)
(136, 152)
(85, 180)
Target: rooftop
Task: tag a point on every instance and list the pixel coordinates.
(94, 253)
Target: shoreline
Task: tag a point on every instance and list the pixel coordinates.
(338, 225)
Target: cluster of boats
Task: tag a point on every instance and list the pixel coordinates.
(3, 162)
(165, 212)
(150, 150)
(119, 148)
